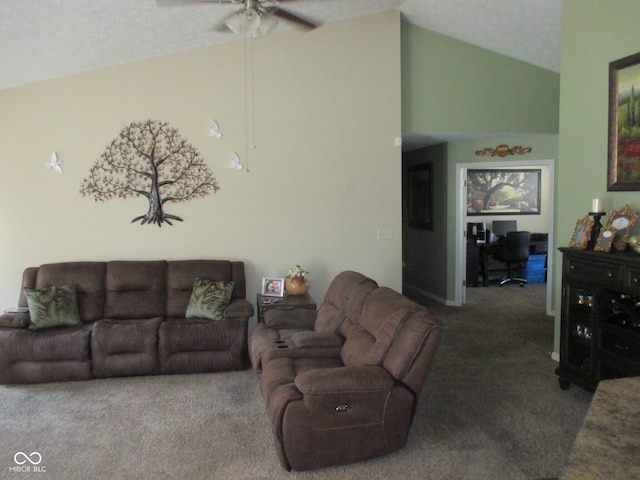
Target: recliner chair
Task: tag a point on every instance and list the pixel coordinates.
(514, 252)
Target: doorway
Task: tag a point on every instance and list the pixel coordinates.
(461, 209)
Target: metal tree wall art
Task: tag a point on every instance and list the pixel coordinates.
(150, 159)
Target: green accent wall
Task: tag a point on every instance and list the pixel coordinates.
(450, 86)
(481, 99)
(594, 33)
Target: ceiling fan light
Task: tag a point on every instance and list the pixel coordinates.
(267, 24)
(251, 22)
(235, 22)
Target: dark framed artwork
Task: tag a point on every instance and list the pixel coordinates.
(495, 191)
(624, 124)
(421, 196)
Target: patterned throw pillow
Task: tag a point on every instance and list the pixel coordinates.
(209, 299)
(52, 306)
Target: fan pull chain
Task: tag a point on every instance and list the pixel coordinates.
(249, 111)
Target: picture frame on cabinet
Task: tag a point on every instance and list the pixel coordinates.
(582, 233)
(623, 221)
(604, 243)
(624, 123)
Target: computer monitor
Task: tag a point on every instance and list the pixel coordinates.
(501, 227)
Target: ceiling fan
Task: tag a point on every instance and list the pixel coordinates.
(256, 18)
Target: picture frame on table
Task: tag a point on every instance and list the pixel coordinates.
(272, 287)
(623, 221)
(604, 243)
(624, 124)
(582, 233)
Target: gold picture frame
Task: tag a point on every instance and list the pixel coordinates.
(582, 232)
(623, 221)
(604, 243)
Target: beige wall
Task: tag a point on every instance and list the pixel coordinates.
(325, 173)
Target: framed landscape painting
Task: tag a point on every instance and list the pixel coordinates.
(495, 191)
(624, 124)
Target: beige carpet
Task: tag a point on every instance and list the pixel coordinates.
(491, 409)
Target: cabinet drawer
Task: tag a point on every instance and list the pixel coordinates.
(608, 276)
(632, 280)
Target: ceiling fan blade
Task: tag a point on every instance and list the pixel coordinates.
(290, 18)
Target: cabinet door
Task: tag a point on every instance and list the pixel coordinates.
(577, 350)
(619, 327)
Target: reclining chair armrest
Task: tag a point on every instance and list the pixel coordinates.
(290, 318)
(307, 352)
(311, 339)
(239, 308)
(15, 320)
(359, 379)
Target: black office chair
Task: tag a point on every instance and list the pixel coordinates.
(514, 252)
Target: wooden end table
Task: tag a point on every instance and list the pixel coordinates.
(288, 302)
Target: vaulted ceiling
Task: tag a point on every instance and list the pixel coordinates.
(45, 39)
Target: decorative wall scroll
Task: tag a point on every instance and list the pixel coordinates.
(150, 159)
(503, 151)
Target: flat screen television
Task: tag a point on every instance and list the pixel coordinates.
(501, 227)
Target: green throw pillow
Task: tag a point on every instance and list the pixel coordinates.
(209, 299)
(52, 306)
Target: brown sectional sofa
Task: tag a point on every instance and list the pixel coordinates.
(132, 323)
(341, 384)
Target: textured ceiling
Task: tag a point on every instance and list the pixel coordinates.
(45, 39)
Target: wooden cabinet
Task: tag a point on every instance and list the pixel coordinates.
(600, 317)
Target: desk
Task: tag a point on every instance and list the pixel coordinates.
(478, 255)
(608, 442)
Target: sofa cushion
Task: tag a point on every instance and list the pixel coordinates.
(346, 288)
(209, 299)
(125, 347)
(52, 306)
(88, 277)
(200, 345)
(368, 339)
(135, 289)
(48, 355)
(182, 275)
